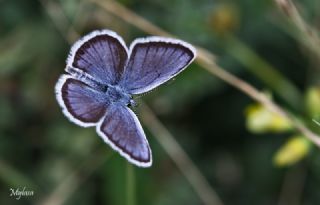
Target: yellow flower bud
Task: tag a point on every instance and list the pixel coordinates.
(295, 149)
(312, 101)
(260, 119)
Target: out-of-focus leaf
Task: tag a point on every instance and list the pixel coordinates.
(225, 19)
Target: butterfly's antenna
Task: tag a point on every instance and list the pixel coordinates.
(154, 89)
(137, 96)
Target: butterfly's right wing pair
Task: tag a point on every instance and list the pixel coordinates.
(104, 56)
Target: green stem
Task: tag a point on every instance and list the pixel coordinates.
(265, 72)
(130, 185)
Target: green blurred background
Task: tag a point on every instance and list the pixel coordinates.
(66, 164)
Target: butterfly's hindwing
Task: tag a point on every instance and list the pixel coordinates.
(122, 130)
(81, 103)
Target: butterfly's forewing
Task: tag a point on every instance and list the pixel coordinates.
(101, 54)
(153, 61)
(121, 129)
(81, 103)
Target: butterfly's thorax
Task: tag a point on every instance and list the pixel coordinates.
(117, 95)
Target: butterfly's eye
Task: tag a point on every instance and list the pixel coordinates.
(132, 103)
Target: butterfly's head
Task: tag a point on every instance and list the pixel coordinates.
(132, 103)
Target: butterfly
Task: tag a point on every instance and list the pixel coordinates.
(103, 75)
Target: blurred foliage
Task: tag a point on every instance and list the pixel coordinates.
(40, 149)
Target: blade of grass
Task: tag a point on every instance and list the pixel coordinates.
(307, 35)
(130, 185)
(265, 72)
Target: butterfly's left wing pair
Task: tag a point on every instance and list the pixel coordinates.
(103, 56)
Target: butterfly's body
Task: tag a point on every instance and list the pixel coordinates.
(114, 93)
(118, 96)
(103, 75)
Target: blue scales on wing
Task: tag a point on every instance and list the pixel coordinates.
(102, 56)
(82, 101)
(122, 130)
(153, 61)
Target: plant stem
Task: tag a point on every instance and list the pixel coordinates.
(130, 185)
